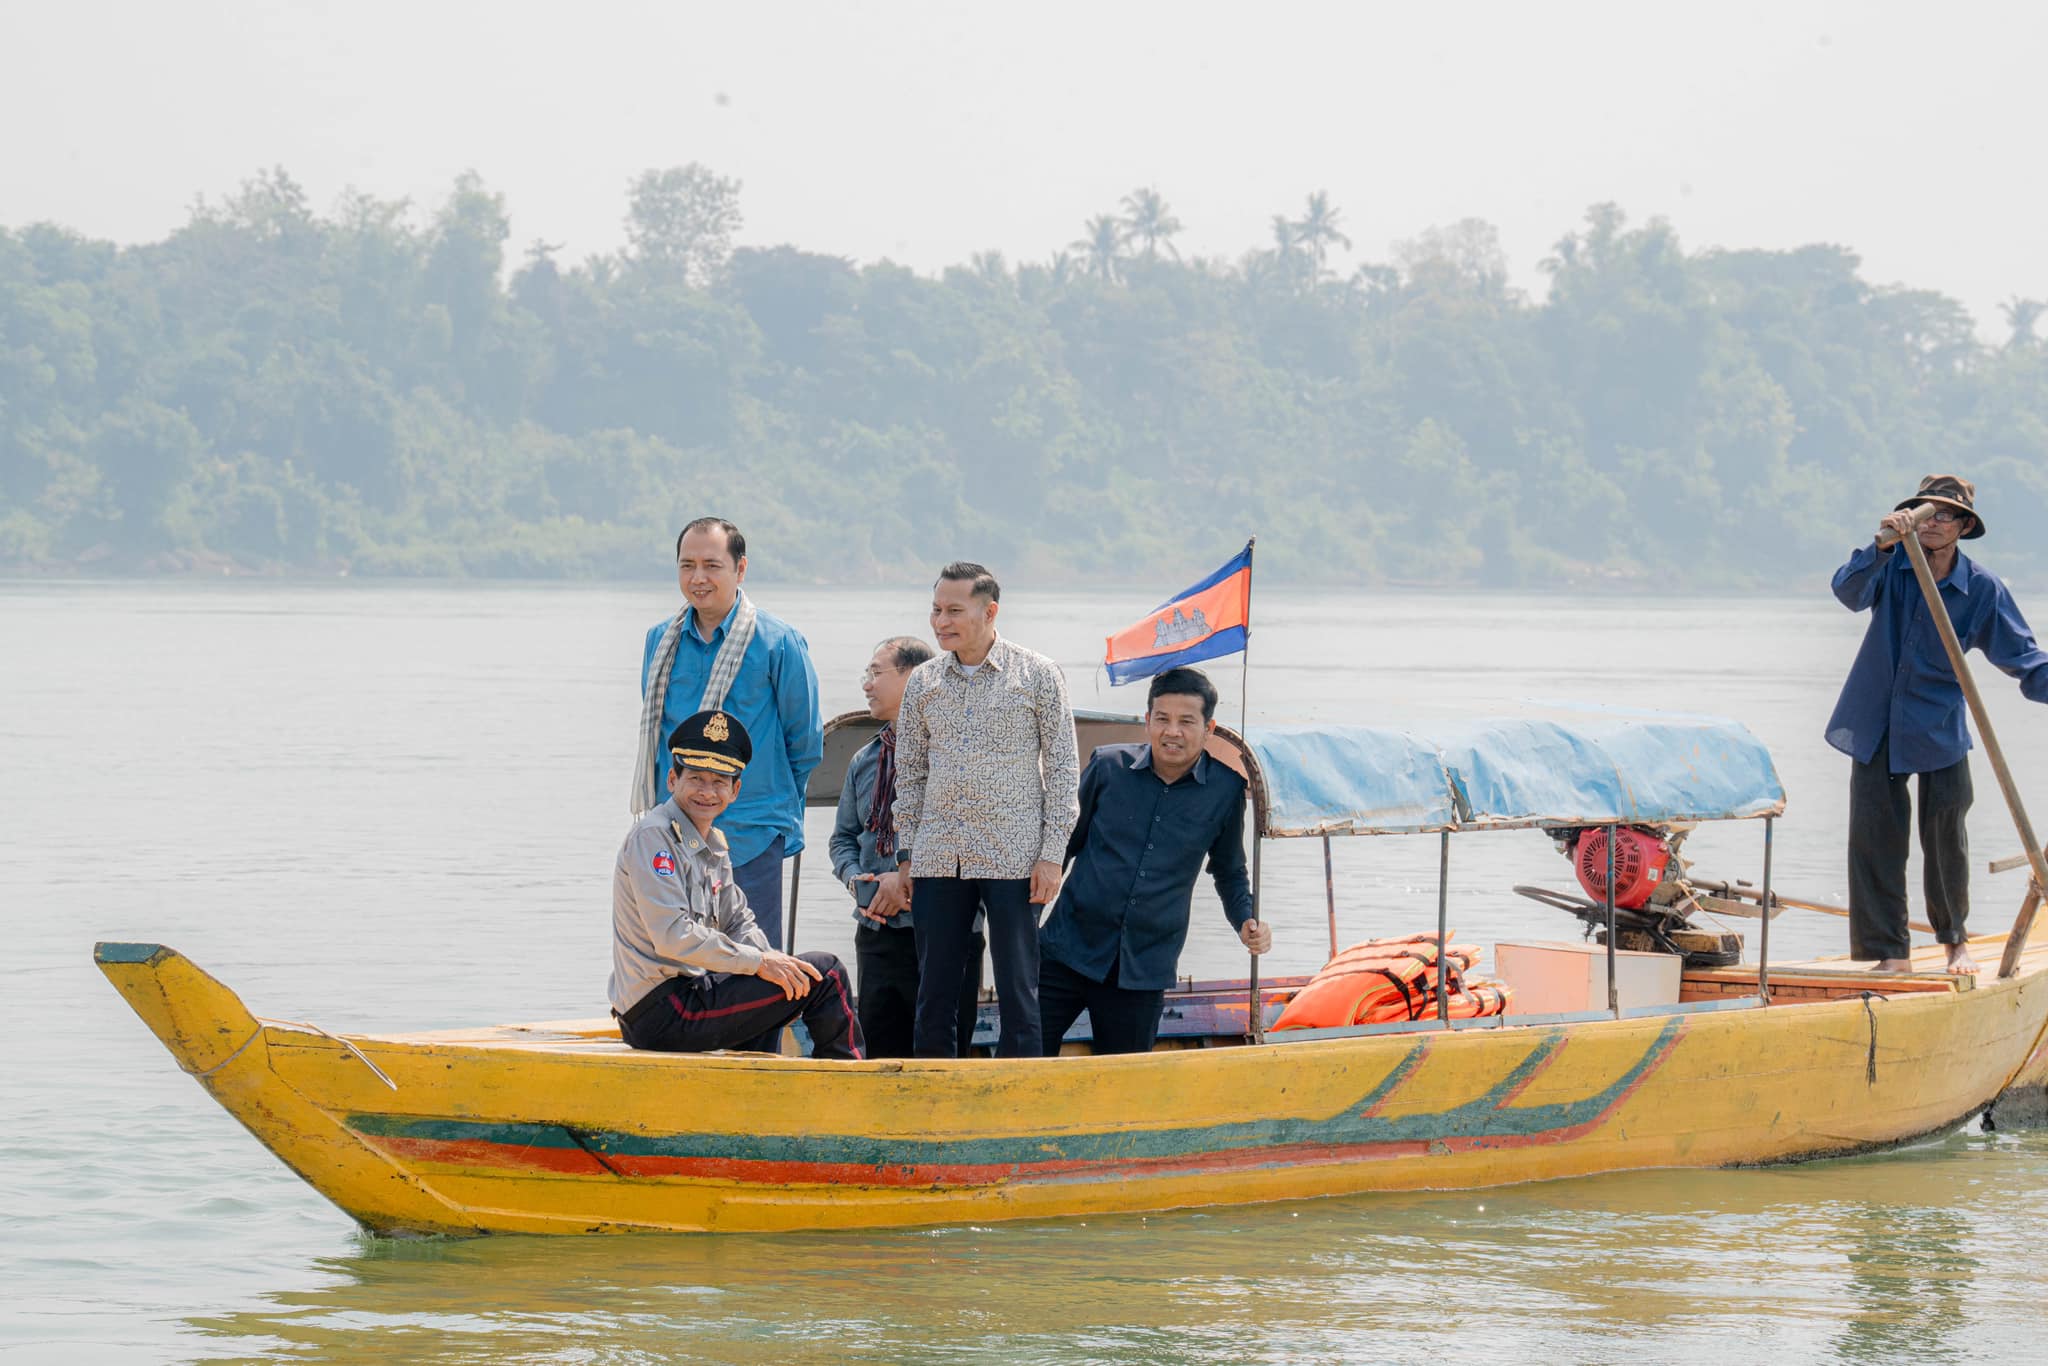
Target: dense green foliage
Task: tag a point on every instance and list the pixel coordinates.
(272, 387)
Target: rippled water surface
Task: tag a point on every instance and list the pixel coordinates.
(382, 807)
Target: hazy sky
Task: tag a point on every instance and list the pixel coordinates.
(927, 132)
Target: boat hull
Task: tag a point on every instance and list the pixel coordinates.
(563, 1134)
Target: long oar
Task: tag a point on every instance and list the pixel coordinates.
(2023, 924)
(1724, 892)
(2006, 865)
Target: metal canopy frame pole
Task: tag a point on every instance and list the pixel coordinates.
(1253, 1014)
(1763, 948)
(1256, 1016)
(1330, 890)
(796, 880)
(1613, 987)
(1443, 913)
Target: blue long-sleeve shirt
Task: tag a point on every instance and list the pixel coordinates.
(1136, 852)
(1901, 684)
(775, 696)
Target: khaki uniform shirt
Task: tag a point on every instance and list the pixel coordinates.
(676, 911)
(986, 770)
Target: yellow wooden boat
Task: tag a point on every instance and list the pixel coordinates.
(559, 1128)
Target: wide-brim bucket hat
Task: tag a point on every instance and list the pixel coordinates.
(1951, 491)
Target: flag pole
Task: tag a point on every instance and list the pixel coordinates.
(1255, 1014)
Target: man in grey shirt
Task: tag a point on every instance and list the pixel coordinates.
(864, 858)
(986, 796)
(691, 971)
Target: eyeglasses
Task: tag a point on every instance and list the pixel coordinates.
(1947, 515)
(871, 673)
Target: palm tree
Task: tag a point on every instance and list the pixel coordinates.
(1148, 220)
(1286, 262)
(1102, 243)
(990, 268)
(1286, 241)
(1317, 229)
(2020, 316)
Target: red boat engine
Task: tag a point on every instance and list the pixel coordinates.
(1640, 859)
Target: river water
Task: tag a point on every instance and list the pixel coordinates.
(382, 807)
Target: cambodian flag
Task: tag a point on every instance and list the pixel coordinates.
(1210, 619)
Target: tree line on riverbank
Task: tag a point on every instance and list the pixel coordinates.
(370, 390)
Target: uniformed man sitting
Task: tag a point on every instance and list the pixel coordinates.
(691, 972)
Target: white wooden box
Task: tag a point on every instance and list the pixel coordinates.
(1552, 978)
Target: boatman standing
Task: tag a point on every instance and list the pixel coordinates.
(1901, 713)
(985, 779)
(691, 972)
(1150, 814)
(719, 653)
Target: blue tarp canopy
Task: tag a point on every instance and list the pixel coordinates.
(1344, 780)
(1366, 780)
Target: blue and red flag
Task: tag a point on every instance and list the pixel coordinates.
(1212, 618)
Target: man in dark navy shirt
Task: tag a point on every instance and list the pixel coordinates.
(1149, 815)
(1901, 713)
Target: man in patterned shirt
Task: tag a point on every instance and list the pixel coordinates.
(986, 784)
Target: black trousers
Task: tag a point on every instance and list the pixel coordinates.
(942, 911)
(734, 1010)
(1124, 1020)
(887, 959)
(1880, 834)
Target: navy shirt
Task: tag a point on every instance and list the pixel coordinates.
(1901, 684)
(1135, 853)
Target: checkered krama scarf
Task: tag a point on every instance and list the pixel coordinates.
(651, 764)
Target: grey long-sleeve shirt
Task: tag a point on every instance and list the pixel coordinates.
(986, 766)
(676, 912)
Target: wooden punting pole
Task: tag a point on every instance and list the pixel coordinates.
(2023, 924)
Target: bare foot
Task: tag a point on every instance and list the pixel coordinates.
(1959, 961)
(1893, 965)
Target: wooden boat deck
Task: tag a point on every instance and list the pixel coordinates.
(1792, 982)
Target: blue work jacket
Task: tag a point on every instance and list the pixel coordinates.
(1901, 684)
(1136, 852)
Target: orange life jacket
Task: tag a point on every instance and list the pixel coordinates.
(1384, 980)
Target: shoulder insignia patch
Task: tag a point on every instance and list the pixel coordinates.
(664, 864)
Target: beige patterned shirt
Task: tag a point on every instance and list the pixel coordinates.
(986, 770)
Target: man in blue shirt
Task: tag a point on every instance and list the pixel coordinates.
(721, 653)
(1149, 815)
(1901, 713)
